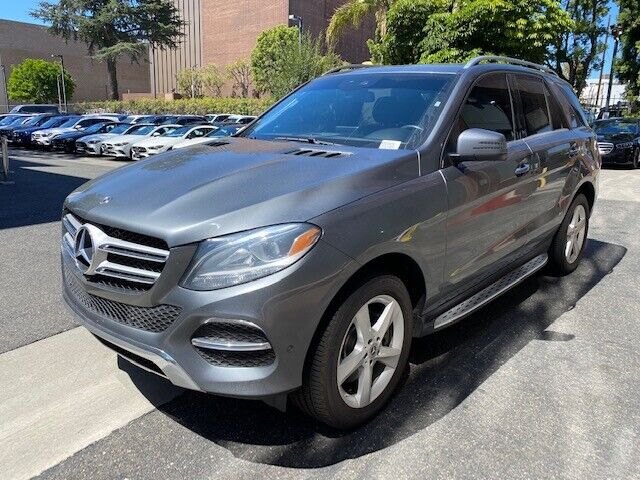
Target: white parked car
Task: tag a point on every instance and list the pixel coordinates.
(44, 137)
(218, 117)
(155, 145)
(120, 146)
(218, 133)
(92, 144)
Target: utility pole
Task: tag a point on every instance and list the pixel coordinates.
(64, 88)
(4, 80)
(604, 55)
(616, 31)
(298, 20)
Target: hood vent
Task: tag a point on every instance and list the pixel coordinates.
(309, 152)
(216, 144)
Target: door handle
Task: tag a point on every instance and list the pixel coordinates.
(522, 169)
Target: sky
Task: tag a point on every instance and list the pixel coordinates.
(19, 10)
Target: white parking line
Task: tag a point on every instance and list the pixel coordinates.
(60, 394)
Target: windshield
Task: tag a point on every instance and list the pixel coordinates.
(388, 110)
(120, 128)
(616, 126)
(223, 132)
(53, 122)
(69, 123)
(95, 128)
(35, 121)
(178, 132)
(142, 130)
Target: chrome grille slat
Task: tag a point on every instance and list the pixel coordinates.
(119, 248)
(605, 147)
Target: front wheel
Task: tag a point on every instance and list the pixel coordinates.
(361, 356)
(570, 240)
(636, 158)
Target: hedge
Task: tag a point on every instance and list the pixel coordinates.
(192, 106)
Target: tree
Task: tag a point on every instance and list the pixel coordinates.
(575, 51)
(212, 80)
(279, 62)
(239, 73)
(353, 13)
(453, 31)
(189, 83)
(628, 65)
(36, 81)
(114, 28)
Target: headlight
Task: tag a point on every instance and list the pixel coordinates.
(156, 147)
(46, 134)
(119, 144)
(242, 257)
(93, 142)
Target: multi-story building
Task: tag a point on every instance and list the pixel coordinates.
(222, 31)
(19, 41)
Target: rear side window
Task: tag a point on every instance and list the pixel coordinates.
(558, 119)
(570, 104)
(533, 101)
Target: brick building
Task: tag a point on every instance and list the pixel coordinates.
(223, 31)
(20, 40)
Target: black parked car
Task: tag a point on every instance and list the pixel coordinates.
(619, 141)
(21, 136)
(67, 141)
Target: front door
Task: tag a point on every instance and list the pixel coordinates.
(486, 225)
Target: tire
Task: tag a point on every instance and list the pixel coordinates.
(563, 258)
(345, 406)
(636, 159)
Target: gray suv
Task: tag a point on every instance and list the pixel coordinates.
(298, 259)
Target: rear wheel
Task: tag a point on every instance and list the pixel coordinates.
(361, 356)
(570, 240)
(636, 158)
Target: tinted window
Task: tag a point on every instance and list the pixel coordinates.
(606, 127)
(533, 103)
(573, 107)
(558, 119)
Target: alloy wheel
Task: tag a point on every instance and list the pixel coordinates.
(370, 351)
(576, 234)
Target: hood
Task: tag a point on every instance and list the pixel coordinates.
(56, 131)
(74, 134)
(617, 137)
(195, 141)
(187, 195)
(150, 141)
(97, 136)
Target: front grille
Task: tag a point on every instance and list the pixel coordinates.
(233, 344)
(133, 262)
(151, 319)
(605, 147)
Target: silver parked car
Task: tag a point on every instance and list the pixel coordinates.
(298, 259)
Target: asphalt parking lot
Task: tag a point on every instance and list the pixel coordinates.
(542, 383)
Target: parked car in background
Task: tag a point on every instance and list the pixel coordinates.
(35, 108)
(12, 121)
(33, 121)
(218, 133)
(67, 141)
(188, 120)
(21, 137)
(159, 144)
(217, 117)
(42, 137)
(45, 137)
(619, 141)
(242, 119)
(93, 144)
(297, 261)
(120, 146)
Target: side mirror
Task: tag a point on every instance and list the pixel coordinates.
(155, 134)
(478, 144)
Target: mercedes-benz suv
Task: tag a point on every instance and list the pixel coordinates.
(296, 260)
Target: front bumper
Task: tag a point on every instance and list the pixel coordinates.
(116, 151)
(620, 156)
(286, 306)
(89, 148)
(41, 141)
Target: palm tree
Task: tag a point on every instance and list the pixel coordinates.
(353, 13)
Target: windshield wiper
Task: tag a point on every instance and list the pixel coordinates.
(311, 140)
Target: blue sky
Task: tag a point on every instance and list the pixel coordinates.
(19, 10)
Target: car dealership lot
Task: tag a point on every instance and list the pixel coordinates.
(541, 383)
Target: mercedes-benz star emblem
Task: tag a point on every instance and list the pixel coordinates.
(105, 200)
(83, 249)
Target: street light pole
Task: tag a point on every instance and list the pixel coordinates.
(604, 55)
(298, 20)
(616, 31)
(64, 89)
(4, 80)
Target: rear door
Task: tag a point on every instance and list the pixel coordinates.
(546, 131)
(486, 225)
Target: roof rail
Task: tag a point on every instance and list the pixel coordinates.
(512, 61)
(352, 66)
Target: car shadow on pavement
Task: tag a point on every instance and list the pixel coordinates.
(445, 369)
(34, 196)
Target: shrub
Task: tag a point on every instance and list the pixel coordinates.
(36, 81)
(189, 106)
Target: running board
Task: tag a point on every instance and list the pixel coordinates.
(494, 290)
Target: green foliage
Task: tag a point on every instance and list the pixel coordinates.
(628, 65)
(352, 14)
(280, 61)
(187, 106)
(239, 72)
(114, 28)
(212, 80)
(189, 83)
(453, 31)
(36, 81)
(575, 52)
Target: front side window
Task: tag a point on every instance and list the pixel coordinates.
(533, 102)
(359, 109)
